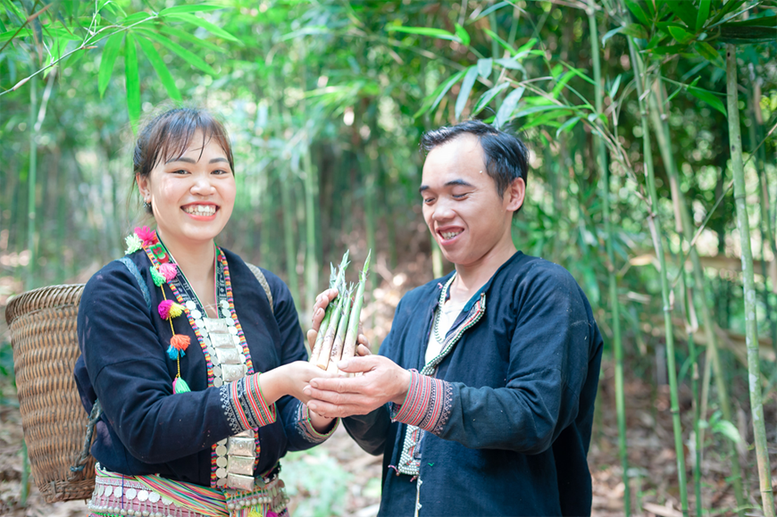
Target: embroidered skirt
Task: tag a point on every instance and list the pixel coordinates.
(117, 495)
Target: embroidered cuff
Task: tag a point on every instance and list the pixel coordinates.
(306, 429)
(245, 406)
(427, 405)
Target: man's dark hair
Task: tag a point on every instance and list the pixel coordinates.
(506, 156)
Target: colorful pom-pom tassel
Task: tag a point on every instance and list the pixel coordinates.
(169, 309)
(164, 308)
(157, 277)
(173, 353)
(180, 342)
(180, 386)
(133, 244)
(168, 270)
(146, 234)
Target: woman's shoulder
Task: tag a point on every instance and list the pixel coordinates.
(120, 275)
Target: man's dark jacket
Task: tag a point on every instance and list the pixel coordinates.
(516, 404)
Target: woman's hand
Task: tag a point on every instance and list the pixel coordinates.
(319, 309)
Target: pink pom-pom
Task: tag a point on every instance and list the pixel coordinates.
(270, 513)
(164, 308)
(146, 234)
(168, 270)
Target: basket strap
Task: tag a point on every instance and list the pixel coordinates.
(94, 416)
(263, 281)
(136, 273)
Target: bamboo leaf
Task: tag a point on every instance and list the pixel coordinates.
(485, 66)
(703, 14)
(610, 34)
(178, 9)
(488, 96)
(680, 35)
(685, 11)
(635, 31)
(186, 55)
(638, 11)
(526, 46)
(446, 86)
(208, 26)
(187, 37)
(539, 109)
(463, 35)
(508, 106)
(493, 8)
(708, 97)
(466, 88)
(510, 64)
(134, 18)
(132, 79)
(568, 125)
(161, 69)
(727, 429)
(494, 36)
(615, 85)
(707, 51)
(730, 6)
(425, 31)
(108, 60)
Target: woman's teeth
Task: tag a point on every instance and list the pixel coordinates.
(205, 210)
(449, 235)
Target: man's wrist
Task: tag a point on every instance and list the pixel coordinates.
(406, 379)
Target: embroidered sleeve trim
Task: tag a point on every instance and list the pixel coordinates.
(306, 429)
(247, 408)
(427, 405)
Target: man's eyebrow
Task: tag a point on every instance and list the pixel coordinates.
(451, 183)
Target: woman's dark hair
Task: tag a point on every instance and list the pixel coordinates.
(506, 155)
(167, 136)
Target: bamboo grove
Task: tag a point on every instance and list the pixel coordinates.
(652, 129)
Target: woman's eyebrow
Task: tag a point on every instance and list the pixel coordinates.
(192, 160)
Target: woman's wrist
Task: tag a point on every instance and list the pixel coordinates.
(321, 424)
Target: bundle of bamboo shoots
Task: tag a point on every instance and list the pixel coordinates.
(337, 336)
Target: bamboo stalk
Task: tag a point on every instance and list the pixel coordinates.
(661, 128)
(337, 345)
(288, 234)
(751, 331)
(336, 280)
(349, 348)
(311, 216)
(654, 223)
(31, 184)
(617, 344)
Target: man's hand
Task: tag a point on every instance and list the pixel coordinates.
(382, 381)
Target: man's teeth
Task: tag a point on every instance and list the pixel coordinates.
(449, 235)
(205, 210)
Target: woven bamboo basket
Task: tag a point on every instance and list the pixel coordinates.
(42, 323)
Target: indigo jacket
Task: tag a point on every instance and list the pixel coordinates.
(145, 428)
(502, 425)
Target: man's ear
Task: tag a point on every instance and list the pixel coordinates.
(514, 195)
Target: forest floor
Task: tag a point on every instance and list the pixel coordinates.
(338, 478)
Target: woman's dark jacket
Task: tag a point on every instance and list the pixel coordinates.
(145, 428)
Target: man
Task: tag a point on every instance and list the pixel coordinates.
(482, 396)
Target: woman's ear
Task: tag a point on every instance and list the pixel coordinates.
(515, 194)
(143, 187)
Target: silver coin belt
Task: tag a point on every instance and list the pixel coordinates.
(236, 455)
(125, 496)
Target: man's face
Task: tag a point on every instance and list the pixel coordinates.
(461, 206)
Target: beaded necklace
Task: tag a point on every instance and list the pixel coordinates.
(438, 312)
(222, 342)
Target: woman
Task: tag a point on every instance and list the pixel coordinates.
(193, 357)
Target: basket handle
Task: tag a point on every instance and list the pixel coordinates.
(94, 416)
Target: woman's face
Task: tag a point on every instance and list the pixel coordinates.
(192, 195)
